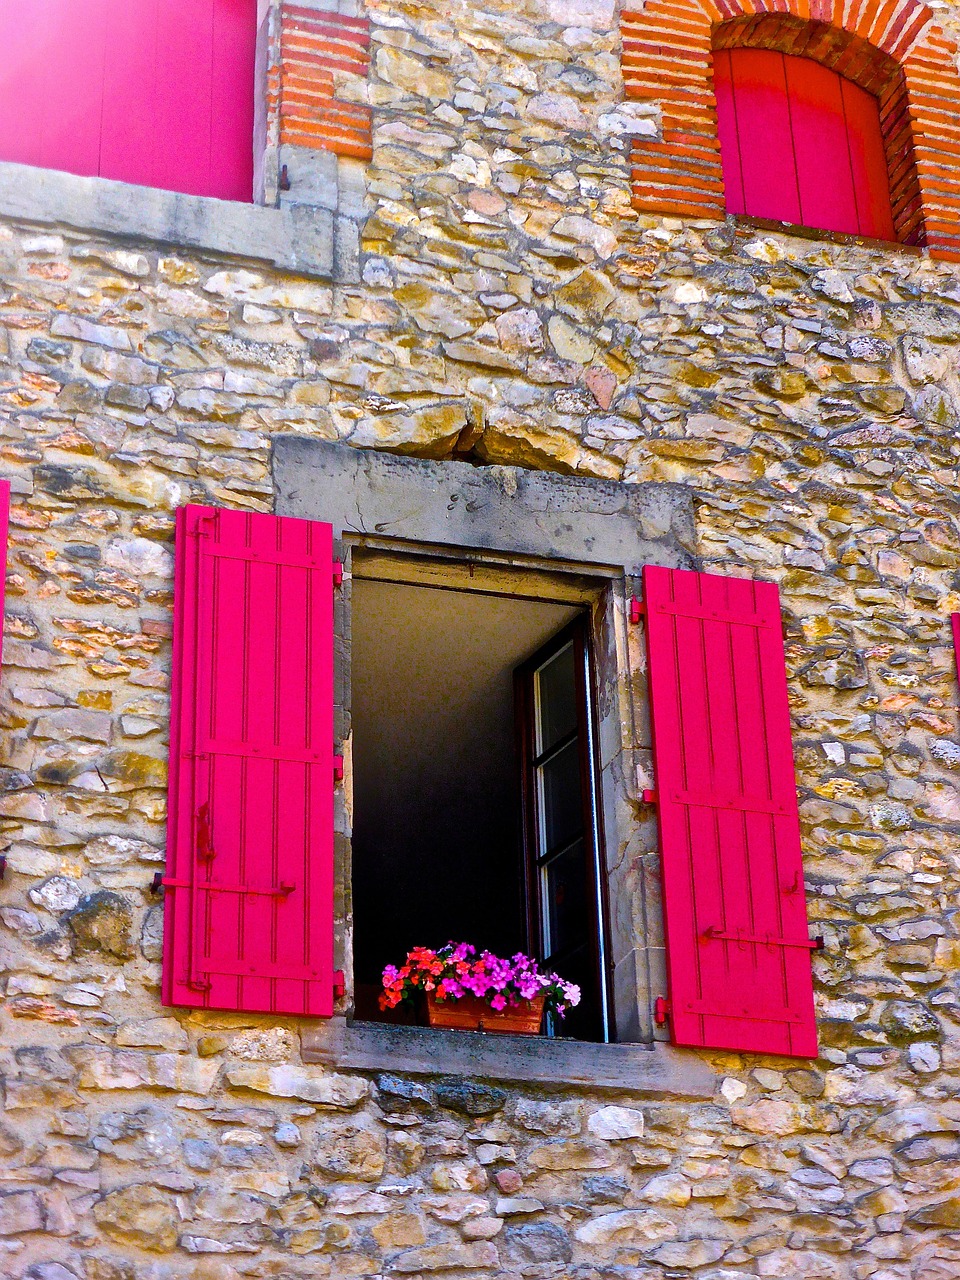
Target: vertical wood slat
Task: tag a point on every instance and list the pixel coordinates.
(729, 822)
(252, 762)
(154, 92)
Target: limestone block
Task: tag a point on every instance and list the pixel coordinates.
(312, 1084)
(614, 1123)
(138, 1215)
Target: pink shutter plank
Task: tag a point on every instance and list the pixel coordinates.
(4, 540)
(232, 99)
(128, 143)
(763, 128)
(263, 640)
(727, 807)
(824, 174)
(181, 101)
(728, 132)
(868, 160)
(51, 82)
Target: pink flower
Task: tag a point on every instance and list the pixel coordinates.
(498, 1002)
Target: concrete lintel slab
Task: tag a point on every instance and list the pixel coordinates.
(575, 519)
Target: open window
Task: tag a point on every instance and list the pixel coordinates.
(475, 812)
(481, 769)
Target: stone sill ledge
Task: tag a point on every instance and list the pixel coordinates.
(294, 238)
(802, 232)
(657, 1070)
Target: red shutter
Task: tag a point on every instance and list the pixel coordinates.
(155, 92)
(759, 172)
(738, 954)
(4, 537)
(249, 897)
(800, 144)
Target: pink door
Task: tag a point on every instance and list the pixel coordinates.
(154, 92)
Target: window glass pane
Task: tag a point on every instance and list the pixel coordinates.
(561, 805)
(556, 687)
(565, 909)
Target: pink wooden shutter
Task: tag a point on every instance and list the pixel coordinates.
(800, 144)
(738, 953)
(249, 896)
(154, 92)
(4, 537)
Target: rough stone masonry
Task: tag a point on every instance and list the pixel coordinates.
(513, 308)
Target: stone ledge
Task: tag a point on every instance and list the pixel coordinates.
(295, 238)
(656, 1070)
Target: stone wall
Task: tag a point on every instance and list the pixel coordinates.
(513, 309)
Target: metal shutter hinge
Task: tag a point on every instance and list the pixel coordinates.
(661, 1010)
(338, 768)
(650, 797)
(637, 609)
(337, 573)
(743, 939)
(339, 984)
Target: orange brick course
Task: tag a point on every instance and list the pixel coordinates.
(314, 45)
(892, 48)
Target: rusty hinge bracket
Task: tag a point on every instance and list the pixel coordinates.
(337, 573)
(661, 1010)
(338, 768)
(339, 984)
(283, 181)
(637, 609)
(3, 865)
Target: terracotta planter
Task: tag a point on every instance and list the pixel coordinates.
(470, 1013)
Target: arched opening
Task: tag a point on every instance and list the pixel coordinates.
(814, 129)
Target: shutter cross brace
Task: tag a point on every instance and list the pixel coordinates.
(170, 882)
(764, 940)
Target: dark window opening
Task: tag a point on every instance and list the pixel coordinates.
(461, 703)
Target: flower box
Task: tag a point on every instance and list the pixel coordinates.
(469, 992)
(470, 1013)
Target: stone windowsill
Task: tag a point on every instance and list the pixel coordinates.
(656, 1070)
(802, 232)
(294, 238)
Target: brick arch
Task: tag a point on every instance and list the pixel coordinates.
(891, 47)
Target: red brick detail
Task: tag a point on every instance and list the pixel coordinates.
(892, 48)
(314, 45)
